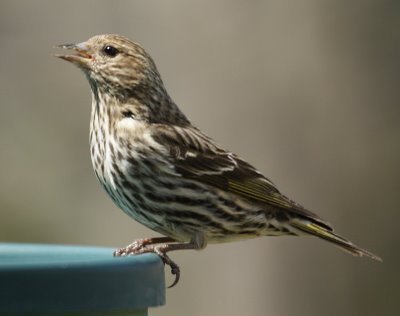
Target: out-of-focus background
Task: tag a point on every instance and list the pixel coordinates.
(308, 91)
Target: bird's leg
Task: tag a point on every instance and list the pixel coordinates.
(162, 249)
(138, 244)
(160, 246)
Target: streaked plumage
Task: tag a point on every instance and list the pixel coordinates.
(168, 175)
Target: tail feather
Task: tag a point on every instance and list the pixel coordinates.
(321, 232)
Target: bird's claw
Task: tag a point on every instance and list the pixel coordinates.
(175, 270)
(140, 247)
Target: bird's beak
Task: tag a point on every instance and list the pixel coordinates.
(82, 57)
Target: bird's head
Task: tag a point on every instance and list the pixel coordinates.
(115, 64)
(121, 70)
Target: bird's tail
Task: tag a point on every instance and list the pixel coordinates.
(320, 231)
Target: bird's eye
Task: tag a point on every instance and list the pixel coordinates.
(110, 51)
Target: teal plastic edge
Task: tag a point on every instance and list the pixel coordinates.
(37, 278)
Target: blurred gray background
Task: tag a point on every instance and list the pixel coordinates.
(308, 91)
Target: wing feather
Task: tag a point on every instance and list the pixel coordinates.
(197, 157)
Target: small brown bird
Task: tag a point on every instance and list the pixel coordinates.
(168, 175)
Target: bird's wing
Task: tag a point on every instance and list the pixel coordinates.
(195, 156)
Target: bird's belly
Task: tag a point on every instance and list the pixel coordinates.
(147, 189)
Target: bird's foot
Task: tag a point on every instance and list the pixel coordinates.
(138, 245)
(132, 249)
(159, 246)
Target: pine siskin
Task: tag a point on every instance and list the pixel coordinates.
(168, 175)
